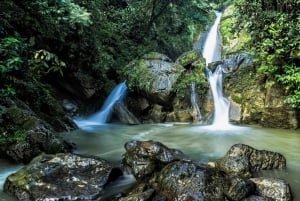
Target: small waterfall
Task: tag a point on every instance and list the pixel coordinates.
(104, 114)
(221, 104)
(195, 108)
(212, 52)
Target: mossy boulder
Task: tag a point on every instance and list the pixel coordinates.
(61, 177)
(188, 59)
(154, 76)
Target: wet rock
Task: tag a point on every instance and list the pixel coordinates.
(258, 105)
(124, 115)
(277, 189)
(69, 107)
(186, 181)
(239, 188)
(141, 192)
(60, 177)
(146, 157)
(242, 160)
(179, 116)
(257, 198)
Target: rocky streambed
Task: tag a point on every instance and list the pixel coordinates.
(161, 173)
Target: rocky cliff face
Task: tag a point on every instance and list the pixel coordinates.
(253, 99)
(160, 88)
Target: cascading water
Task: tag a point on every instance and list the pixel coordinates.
(212, 52)
(104, 114)
(194, 101)
(212, 47)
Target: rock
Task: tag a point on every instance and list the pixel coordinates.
(146, 157)
(29, 137)
(60, 177)
(190, 180)
(242, 160)
(179, 116)
(156, 114)
(239, 188)
(69, 107)
(258, 105)
(141, 192)
(257, 198)
(276, 189)
(124, 115)
(187, 59)
(157, 75)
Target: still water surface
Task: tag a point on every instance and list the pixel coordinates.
(202, 143)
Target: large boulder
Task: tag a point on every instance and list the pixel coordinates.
(187, 181)
(61, 177)
(146, 157)
(243, 160)
(154, 76)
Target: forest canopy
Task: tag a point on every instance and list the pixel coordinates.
(99, 37)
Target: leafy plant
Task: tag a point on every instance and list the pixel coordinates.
(274, 29)
(44, 60)
(10, 137)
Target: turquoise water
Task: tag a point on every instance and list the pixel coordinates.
(202, 143)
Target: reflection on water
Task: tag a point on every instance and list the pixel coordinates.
(199, 142)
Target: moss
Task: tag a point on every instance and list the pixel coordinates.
(188, 58)
(233, 41)
(236, 97)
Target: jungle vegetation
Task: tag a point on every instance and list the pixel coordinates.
(54, 37)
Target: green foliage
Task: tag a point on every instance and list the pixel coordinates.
(138, 75)
(7, 91)
(44, 60)
(7, 137)
(274, 29)
(291, 80)
(196, 76)
(11, 49)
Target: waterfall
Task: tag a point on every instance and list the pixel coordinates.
(221, 104)
(212, 47)
(212, 52)
(195, 108)
(102, 116)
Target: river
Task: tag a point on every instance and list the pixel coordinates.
(202, 143)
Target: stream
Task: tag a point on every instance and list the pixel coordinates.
(203, 143)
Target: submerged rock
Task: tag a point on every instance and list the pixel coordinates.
(242, 160)
(60, 177)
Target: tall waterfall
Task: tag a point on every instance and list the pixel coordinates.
(104, 114)
(212, 52)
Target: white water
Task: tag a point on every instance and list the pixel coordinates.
(194, 102)
(221, 104)
(104, 114)
(212, 52)
(212, 48)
